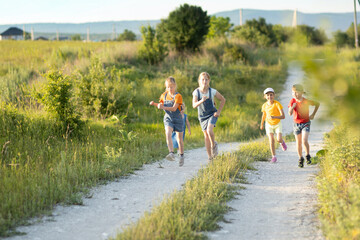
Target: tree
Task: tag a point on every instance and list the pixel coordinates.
(153, 49)
(186, 27)
(76, 37)
(219, 27)
(127, 35)
(257, 32)
(341, 39)
(314, 36)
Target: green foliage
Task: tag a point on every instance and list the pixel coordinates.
(186, 27)
(313, 36)
(347, 38)
(219, 27)
(228, 52)
(257, 32)
(101, 91)
(342, 39)
(76, 37)
(56, 97)
(154, 49)
(127, 35)
(339, 185)
(334, 79)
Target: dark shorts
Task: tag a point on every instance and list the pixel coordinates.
(205, 123)
(299, 127)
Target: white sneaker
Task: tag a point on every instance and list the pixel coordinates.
(181, 161)
(170, 157)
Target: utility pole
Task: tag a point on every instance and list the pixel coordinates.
(355, 27)
(294, 23)
(32, 34)
(241, 17)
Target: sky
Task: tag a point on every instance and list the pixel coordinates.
(80, 11)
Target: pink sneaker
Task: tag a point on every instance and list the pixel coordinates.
(274, 159)
(283, 146)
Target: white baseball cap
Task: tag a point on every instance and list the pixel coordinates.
(269, 90)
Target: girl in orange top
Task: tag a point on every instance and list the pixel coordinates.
(170, 102)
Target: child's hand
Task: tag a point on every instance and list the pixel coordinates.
(204, 98)
(261, 127)
(311, 116)
(159, 106)
(294, 105)
(216, 114)
(151, 103)
(189, 131)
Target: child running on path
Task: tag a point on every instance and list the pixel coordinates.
(203, 99)
(170, 102)
(299, 106)
(272, 113)
(186, 124)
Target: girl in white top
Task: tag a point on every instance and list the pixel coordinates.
(203, 99)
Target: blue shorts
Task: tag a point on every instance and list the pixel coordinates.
(299, 127)
(177, 124)
(205, 123)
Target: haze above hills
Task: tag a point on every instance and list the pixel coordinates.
(330, 22)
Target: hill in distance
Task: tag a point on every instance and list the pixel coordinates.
(330, 22)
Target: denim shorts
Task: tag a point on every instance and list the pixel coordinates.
(299, 127)
(205, 123)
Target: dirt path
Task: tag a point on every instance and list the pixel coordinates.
(118, 203)
(280, 199)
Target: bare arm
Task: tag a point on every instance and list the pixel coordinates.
(317, 105)
(282, 115)
(291, 109)
(222, 103)
(172, 109)
(188, 126)
(195, 101)
(262, 120)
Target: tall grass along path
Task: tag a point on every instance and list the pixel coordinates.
(279, 199)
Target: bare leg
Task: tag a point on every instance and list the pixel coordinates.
(168, 133)
(299, 144)
(210, 132)
(207, 143)
(305, 137)
(279, 138)
(272, 143)
(180, 140)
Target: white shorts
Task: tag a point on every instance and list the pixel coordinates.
(273, 128)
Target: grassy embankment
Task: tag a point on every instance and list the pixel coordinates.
(42, 165)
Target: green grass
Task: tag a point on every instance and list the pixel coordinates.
(201, 203)
(41, 165)
(339, 185)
